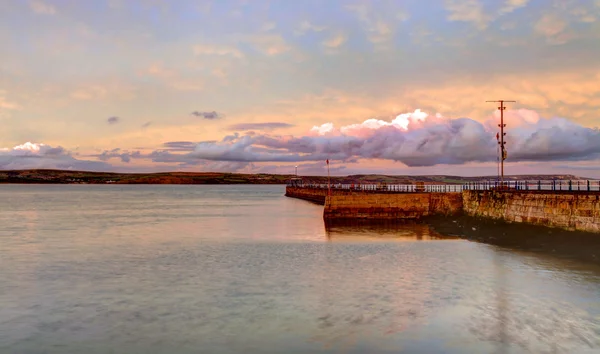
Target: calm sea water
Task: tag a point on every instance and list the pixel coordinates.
(243, 269)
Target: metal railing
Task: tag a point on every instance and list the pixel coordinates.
(396, 188)
(540, 185)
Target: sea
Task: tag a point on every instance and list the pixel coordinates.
(244, 269)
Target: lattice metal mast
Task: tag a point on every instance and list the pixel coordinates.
(502, 134)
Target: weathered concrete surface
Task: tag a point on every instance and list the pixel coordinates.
(388, 206)
(567, 210)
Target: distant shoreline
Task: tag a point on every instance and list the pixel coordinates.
(87, 177)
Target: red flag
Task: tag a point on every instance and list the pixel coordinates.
(497, 136)
(328, 161)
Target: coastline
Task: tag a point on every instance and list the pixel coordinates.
(45, 176)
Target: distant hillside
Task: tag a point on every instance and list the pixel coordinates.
(72, 177)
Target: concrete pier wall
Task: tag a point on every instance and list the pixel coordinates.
(567, 210)
(315, 195)
(386, 206)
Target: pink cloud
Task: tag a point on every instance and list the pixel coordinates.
(416, 139)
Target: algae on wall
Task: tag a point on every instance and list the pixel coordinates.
(567, 210)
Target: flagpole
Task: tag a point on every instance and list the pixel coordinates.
(328, 180)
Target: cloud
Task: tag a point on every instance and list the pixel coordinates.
(583, 15)
(158, 70)
(207, 115)
(552, 28)
(335, 41)
(470, 11)
(41, 156)
(113, 120)
(189, 160)
(379, 27)
(307, 26)
(269, 44)
(146, 125)
(42, 8)
(180, 145)
(268, 26)
(173, 79)
(416, 139)
(260, 126)
(218, 50)
(6, 105)
(512, 5)
(125, 156)
(104, 91)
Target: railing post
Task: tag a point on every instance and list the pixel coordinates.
(570, 185)
(539, 185)
(578, 185)
(588, 185)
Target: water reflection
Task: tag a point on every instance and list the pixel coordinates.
(357, 231)
(514, 317)
(212, 269)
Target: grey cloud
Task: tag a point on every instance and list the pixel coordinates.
(207, 115)
(125, 156)
(180, 145)
(113, 120)
(595, 167)
(228, 138)
(146, 125)
(260, 126)
(448, 142)
(187, 160)
(40, 156)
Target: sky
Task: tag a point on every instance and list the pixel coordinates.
(391, 86)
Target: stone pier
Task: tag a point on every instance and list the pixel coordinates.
(568, 210)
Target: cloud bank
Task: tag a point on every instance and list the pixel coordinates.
(41, 156)
(416, 139)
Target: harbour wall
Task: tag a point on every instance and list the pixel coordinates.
(315, 195)
(568, 210)
(391, 206)
(576, 210)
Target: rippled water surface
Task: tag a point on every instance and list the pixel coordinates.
(242, 269)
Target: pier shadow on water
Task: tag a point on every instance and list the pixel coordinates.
(574, 245)
(387, 231)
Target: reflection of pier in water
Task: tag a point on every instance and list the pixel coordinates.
(356, 230)
(393, 294)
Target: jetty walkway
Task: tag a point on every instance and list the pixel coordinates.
(567, 204)
(516, 185)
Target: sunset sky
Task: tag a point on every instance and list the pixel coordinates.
(394, 87)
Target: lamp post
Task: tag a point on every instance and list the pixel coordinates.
(296, 171)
